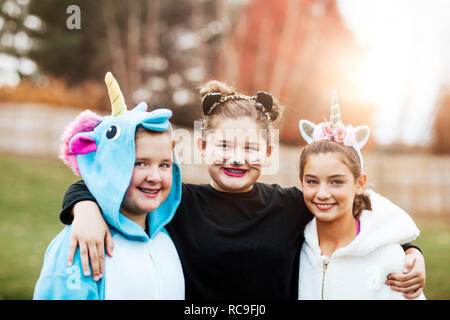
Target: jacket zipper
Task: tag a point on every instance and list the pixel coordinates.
(324, 270)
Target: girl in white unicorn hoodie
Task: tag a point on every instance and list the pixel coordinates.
(350, 245)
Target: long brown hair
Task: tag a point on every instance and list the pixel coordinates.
(351, 160)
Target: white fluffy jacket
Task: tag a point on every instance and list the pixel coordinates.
(359, 270)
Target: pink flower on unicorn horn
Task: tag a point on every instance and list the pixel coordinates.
(327, 130)
(339, 133)
(349, 139)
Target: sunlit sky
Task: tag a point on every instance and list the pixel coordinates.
(409, 60)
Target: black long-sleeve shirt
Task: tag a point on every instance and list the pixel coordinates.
(233, 245)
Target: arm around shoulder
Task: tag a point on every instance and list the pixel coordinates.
(75, 193)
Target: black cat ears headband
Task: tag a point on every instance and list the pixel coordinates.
(262, 100)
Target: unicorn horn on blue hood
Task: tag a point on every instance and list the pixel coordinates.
(118, 105)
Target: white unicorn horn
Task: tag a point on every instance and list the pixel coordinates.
(335, 113)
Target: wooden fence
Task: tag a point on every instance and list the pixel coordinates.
(418, 183)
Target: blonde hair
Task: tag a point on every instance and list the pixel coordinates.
(351, 160)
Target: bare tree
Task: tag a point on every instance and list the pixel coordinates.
(281, 67)
(133, 45)
(115, 45)
(151, 34)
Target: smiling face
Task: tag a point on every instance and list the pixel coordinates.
(152, 176)
(329, 187)
(235, 152)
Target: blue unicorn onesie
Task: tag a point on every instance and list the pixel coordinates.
(102, 151)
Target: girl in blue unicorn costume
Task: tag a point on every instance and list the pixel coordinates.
(145, 264)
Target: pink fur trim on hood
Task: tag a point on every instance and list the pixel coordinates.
(84, 122)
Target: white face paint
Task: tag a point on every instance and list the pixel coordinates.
(235, 153)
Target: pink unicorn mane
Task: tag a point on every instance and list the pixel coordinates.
(84, 122)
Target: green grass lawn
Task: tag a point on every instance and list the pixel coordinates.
(31, 192)
(434, 241)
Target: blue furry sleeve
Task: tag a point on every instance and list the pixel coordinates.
(58, 281)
